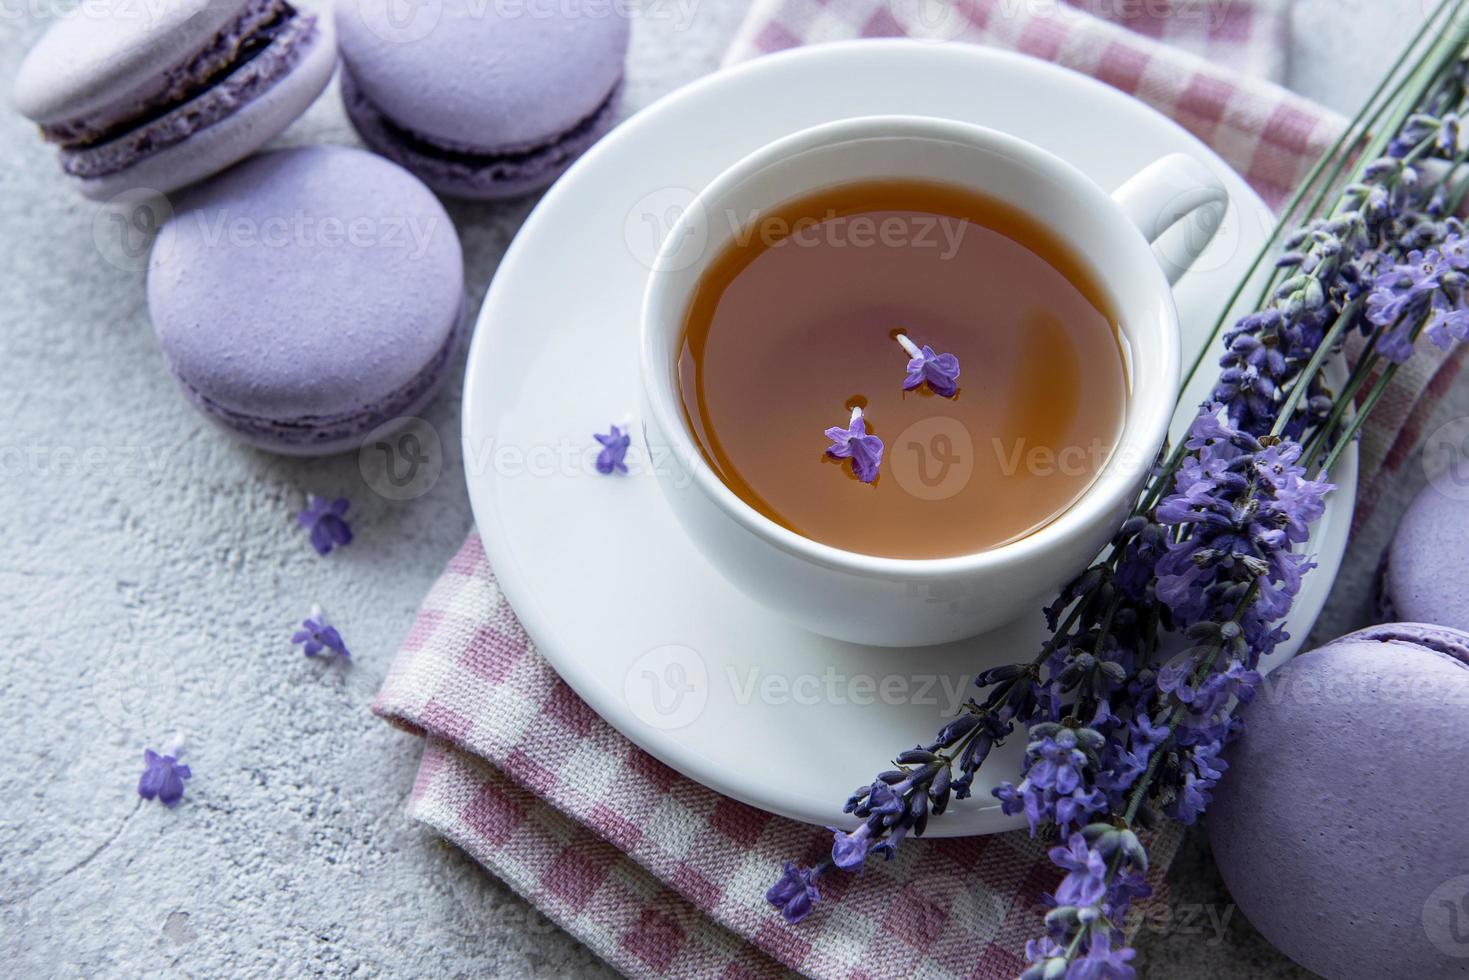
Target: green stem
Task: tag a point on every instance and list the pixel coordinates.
(1455, 199)
(1360, 417)
(1368, 404)
(1318, 358)
(1420, 81)
(1365, 364)
(1105, 626)
(1337, 159)
(1385, 95)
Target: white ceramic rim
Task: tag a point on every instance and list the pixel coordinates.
(1150, 409)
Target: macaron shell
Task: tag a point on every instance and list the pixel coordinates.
(1427, 573)
(1342, 813)
(489, 178)
(325, 437)
(100, 55)
(231, 139)
(306, 286)
(478, 76)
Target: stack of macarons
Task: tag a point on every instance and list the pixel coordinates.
(333, 302)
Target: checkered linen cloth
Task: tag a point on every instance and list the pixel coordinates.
(663, 877)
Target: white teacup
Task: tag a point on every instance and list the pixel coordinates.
(915, 602)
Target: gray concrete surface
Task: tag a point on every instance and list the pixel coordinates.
(151, 573)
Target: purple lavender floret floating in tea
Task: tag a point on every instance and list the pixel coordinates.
(855, 443)
(939, 371)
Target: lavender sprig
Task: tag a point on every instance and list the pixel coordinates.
(1119, 729)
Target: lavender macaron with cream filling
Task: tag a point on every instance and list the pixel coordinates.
(305, 297)
(482, 100)
(161, 94)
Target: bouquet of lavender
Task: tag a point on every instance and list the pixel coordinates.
(1123, 727)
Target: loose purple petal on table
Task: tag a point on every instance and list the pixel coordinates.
(614, 448)
(795, 894)
(163, 778)
(316, 636)
(327, 523)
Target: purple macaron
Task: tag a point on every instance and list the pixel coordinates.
(481, 100)
(1342, 824)
(1428, 561)
(157, 95)
(307, 296)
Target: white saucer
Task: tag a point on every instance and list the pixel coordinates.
(637, 621)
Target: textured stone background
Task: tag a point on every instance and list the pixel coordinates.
(150, 575)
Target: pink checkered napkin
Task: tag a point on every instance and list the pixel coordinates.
(1264, 132)
(665, 878)
(659, 875)
(1248, 35)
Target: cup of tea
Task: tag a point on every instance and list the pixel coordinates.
(796, 303)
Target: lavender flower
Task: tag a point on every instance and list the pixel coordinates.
(316, 635)
(939, 371)
(1244, 504)
(1102, 962)
(1187, 780)
(1426, 289)
(896, 803)
(327, 523)
(1455, 250)
(163, 777)
(854, 443)
(1447, 326)
(614, 448)
(1090, 901)
(795, 894)
(849, 850)
(1086, 873)
(1058, 773)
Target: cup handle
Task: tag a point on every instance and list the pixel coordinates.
(1164, 193)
